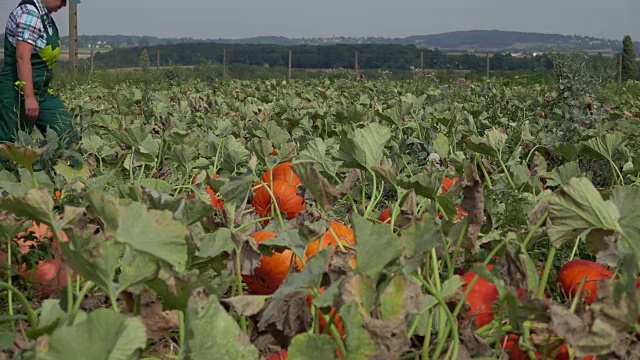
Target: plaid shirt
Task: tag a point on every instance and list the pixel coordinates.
(26, 24)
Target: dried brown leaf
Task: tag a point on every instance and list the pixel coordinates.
(569, 326)
(349, 181)
(409, 209)
(324, 193)
(291, 317)
(513, 272)
(390, 337)
(473, 203)
(157, 322)
(247, 305)
(339, 265)
(474, 345)
(249, 255)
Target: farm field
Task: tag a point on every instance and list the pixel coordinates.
(327, 218)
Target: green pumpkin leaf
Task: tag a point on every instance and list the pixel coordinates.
(563, 173)
(312, 347)
(93, 256)
(377, 247)
(36, 204)
(205, 317)
(153, 232)
(365, 148)
(576, 208)
(104, 334)
(359, 344)
(22, 155)
(603, 146)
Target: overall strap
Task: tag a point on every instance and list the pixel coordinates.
(28, 2)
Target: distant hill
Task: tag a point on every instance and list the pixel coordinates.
(513, 40)
(470, 41)
(457, 41)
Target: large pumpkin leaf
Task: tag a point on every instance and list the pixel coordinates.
(312, 347)
(36, 205)
(576, 208)
(317, 151)
(104, 334)
(563, 173)
(73, 174)
(106, 208)
(491, 144)
(365, 148)
(93, 257)
(603, 146)
(425, 184)
(10, 184)
(626, 200)
(377, 246)
(212, 332)
(153, 232)
(22, 155)
(237, 189)
(235, 155)
(357, 340)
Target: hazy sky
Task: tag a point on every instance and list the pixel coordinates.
(246, 18)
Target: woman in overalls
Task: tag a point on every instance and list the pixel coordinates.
(31, 49)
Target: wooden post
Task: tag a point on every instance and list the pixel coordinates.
(158, 59)
(224, 63)
(91, 69)
(289, 64)
(620, 69)
(421, 60)
(73, 35)
(488, 65)
(356, 63)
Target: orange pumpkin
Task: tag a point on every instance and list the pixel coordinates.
(281, 172)
(213, 197)
(49, 276)
(322, 324)
(571, 274)
(272, 271)
(447, 184)
(343, 233)
(480, 298)
(280, 355)
(385, 216)
(462, 213)
(510, 345)
(286, 198)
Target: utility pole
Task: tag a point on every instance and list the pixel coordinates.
(488, 65)
(73, 35)
(356, 63)
(289, 64)
(620, 69)
(224, 64)
(421, 60)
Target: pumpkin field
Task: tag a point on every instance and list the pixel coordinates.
(334, 218)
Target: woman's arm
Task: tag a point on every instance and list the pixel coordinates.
(25, 74)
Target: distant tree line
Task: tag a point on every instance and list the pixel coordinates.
(370, 56)
(468, 40)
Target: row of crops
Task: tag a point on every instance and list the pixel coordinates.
(328, 218)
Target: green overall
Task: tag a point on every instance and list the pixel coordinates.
(52, 112)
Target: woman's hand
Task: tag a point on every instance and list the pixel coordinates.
(25, 74)
(31, 108)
